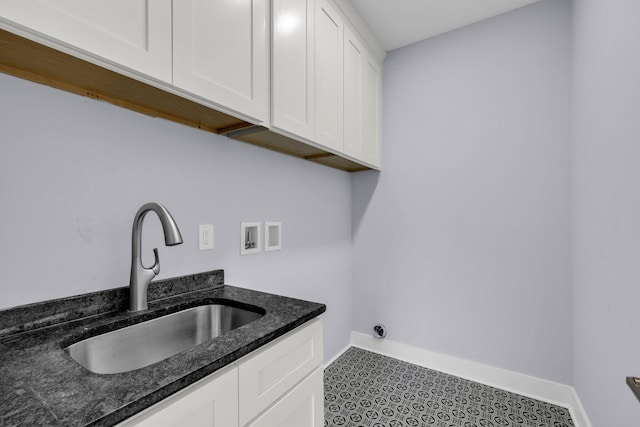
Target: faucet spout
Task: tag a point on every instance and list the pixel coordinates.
(140, 275)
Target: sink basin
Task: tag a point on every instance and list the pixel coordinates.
(145, 343)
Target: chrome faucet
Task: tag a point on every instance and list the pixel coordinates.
(141, 276)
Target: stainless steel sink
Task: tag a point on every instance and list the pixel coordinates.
(140, 345)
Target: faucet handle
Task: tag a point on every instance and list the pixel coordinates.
(156, 264)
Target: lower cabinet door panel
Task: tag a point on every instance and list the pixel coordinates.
(300, 407)
(274, 370)
(213, 402)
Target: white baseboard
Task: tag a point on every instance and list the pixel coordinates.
(526, 385)
(578, 413)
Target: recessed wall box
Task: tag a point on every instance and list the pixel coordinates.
(272, 236)
(249, 238)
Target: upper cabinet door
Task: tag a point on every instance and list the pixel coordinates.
(293, 78)
(329, 28)
(132, 33)
(362, 101)
(221, 53)
(371, 111)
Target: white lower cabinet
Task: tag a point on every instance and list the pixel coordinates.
(270, 373)
(211, 402)
(278, 385)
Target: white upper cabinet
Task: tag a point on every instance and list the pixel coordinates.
(362, 101)
(368, 149)
(326, 83)
(132, 33)
(309, 70)
(220, 53)
(329, 29)
(293, 78)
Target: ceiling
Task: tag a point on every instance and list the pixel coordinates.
(397, 23)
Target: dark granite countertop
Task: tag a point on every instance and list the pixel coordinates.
(41, 385)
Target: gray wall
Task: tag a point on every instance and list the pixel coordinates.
(462, 243)
(607, 208)
(74, 171)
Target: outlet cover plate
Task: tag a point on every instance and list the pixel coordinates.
(205, 237)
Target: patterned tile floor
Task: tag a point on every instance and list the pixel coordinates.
(370, 390)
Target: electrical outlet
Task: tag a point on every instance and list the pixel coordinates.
(205, 237)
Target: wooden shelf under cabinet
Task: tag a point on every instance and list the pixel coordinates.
(33, 61)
